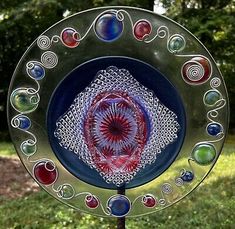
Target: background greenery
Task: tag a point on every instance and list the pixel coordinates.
(22, 21)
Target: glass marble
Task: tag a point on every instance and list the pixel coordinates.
(66, 191)
(197, 70)
(24, 122)
(37, 72)
(141, 29)
(28, 147)
(187, 176)
(92, 201)
(119, 205)
(176, 43)
(45, 172)
(149, 201)
(69, 37)
(24, 100)
(108, 27)
(204, 154)
(214, 129)
(211, 97)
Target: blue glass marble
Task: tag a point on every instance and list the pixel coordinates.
(119, 205)
(37, 72)
(187, 176)
(214, 129)
(108, 27)
(176, 43)
(24, 122)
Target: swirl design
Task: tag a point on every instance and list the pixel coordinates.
(49, 59)
(65, 191)
(167, 188)
(214, 99)
(179, 181)
(44, 42)
(215, 82)
(196, 71)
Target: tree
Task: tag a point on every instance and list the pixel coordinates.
(213, 22)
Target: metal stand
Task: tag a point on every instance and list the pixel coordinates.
(121, 221)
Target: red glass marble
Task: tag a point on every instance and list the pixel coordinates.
(149, 201)
(69, 37)
(142, 28)
(92, 201)
(45, 172)
(197, 70)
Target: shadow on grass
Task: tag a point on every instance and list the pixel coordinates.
(14, 179)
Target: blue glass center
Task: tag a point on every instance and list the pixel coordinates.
(79, 79)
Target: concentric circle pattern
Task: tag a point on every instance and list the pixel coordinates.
(197, 70)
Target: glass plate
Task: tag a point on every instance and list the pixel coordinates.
(118, 111)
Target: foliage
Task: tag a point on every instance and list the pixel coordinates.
(210, 206)
(213, 22)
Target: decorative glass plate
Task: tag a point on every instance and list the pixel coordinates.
(118, 111)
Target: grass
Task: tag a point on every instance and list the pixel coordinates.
(7, 149)
(211, 206)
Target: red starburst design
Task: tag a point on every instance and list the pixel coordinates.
(115, 132)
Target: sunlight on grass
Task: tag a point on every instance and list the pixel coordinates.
(7, 149)
(224, 168)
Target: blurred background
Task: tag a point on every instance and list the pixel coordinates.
(23, 205)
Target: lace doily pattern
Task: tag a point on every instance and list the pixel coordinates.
(117, 126)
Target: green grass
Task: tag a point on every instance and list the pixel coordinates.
(212, 205)
(7, 149)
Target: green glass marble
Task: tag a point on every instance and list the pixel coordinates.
(66, 192)
(176, 43)
(28, 147)
(204, 154)
(24, 100)
(211, 97)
